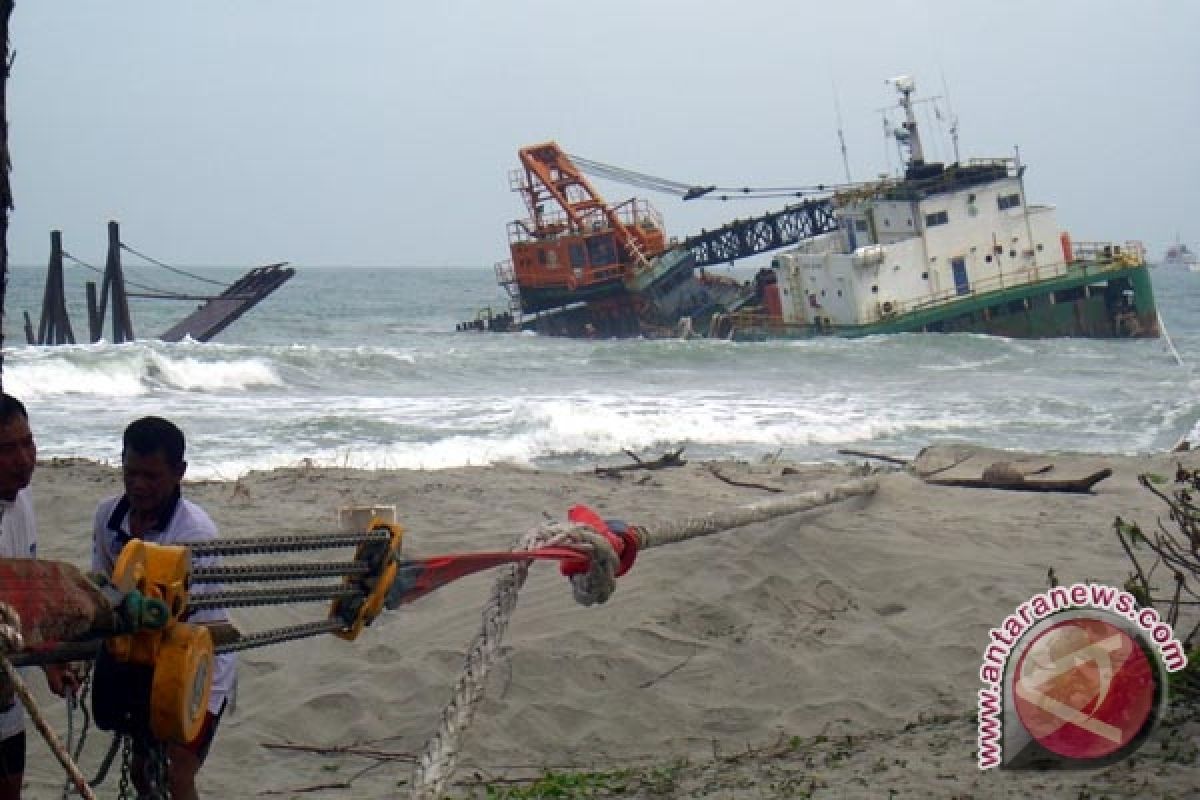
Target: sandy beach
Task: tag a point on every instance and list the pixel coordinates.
(832, 653)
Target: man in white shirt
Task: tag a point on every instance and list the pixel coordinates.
(154, 510)
(18, 539)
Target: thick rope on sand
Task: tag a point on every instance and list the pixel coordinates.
(436, 764)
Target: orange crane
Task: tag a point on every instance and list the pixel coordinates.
(574, 247)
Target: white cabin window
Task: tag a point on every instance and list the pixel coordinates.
(936, 218)
(860, 225)
(1008, 201)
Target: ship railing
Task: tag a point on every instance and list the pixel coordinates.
(506, 277)
(735, 321)
(1009, 164)
(518, 180)
(526, 230)
(1090, 258)
(1129, 253)
(636, 212)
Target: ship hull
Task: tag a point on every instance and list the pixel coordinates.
(1119, 304)
(535, 299)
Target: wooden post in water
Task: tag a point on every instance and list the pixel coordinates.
(95, 314)
(55, 325)
(114, 280)
(6, 199)
(122, 324)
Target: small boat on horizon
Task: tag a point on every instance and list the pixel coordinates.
(1179, 256)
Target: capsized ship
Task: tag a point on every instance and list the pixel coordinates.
(582, 267)
(943, 248)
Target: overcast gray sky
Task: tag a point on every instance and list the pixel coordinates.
(381, 132)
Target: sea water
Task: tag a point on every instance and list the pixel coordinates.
(364, 368)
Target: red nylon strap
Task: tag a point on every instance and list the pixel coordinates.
(623, 543)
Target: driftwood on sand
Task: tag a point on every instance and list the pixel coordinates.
(1003, 478)
(670, 459)
(744, 484)
(877, 456)
(982, 468)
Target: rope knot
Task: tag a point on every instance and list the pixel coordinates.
(613, 550)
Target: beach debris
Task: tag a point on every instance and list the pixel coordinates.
(670, 459)
(1005, 476)
(877, 456)
(967, 466)
(716, 473)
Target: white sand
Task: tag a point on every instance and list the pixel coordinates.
(860, 619)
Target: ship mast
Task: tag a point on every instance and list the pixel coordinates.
(953, 118)
(841, 137)
(907, 134)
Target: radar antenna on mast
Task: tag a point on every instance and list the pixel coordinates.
(907, 133)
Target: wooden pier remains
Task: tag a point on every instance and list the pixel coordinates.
(54, 327)
(114, 281)
(215, 315)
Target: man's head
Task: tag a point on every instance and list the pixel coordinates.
(18, 453)
(152, 463)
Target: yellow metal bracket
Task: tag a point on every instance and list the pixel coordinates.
(381, 555)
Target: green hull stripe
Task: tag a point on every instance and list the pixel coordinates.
(1082, 317)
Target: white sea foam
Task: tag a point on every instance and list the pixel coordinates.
(193, 374)
(127, 371)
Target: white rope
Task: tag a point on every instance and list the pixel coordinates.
(670, 532)
(1162, 326)
(432, 770)
(435, 766)
(11, 642)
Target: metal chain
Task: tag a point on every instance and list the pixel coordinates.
(157, 770)
(266, 597)
(77, 702)
(85, 686)
(278, 635)
(267, 545)
(126, 757)
(278, 572)
(70, 740)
